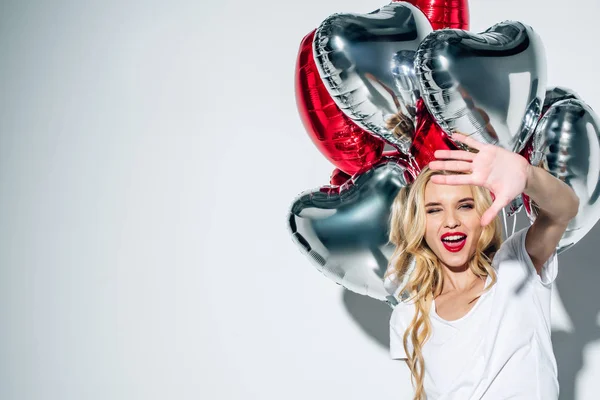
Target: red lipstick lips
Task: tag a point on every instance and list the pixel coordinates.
(454, 241)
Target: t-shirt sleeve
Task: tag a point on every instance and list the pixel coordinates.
(515, 249)
(398, 325)
(396, 347)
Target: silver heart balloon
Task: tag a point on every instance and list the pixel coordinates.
(556, 94)
(366, 64)
(490, 85)
(407, 84)
(553, 96)
(569, 135)
(344, 230)
(535, 156)
(395, 285)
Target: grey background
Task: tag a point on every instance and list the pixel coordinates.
(149, 152)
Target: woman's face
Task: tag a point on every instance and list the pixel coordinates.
(453, 226)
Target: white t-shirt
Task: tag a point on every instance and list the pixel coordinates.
(501, 348)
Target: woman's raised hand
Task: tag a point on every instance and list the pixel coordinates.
(502, 172)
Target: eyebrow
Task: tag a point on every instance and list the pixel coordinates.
(439, 204)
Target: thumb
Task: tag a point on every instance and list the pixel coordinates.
(489, 215)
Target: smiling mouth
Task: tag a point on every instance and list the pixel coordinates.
(454, 243)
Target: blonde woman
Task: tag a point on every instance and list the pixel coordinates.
(476, 324)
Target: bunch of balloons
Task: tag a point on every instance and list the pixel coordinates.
(378, 93)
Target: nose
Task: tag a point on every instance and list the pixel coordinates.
(451, 221)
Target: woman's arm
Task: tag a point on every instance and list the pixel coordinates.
(506, 175)
(558, 205)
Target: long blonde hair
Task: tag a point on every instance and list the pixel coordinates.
(407, 233)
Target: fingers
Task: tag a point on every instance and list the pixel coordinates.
(451, 165)
(455, 155)
(452, 179)
(489, 215)
(469, 141)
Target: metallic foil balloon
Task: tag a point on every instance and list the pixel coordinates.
(338, 177)
(344, 230)
(429, 137)
(535, 153)
(395, 285)
(514, 206)
(490, 85)
(407, 85)
(441, 14)
(570, 142)
(355, 55)
(556, 94)
(445, 13)
(340, 140)
(532, 150)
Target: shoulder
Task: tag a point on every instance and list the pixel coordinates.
(509, 248)
(513, 249)
(402, 315)
(399, 322)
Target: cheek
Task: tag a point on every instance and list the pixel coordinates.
(431, 231)
(476, 228)
(475, 222)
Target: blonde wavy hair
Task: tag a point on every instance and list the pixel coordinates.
(407, 233)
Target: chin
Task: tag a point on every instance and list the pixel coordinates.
(457, 259)
(455, 262)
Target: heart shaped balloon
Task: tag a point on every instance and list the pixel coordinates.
(338, 177)
(395, 284)
(489, 85)
(429, 137)
(341, 141)
(556, 94)
(445, 13)
(533, 150)
(569, 135)
(354, 54)
(344, 229)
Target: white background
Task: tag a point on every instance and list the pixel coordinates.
(149, 152)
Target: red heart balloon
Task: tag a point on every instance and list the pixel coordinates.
(338, 177)
(429, 137)
(442, 14)
(347, 146)
(340, 140)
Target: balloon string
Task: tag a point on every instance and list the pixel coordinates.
(505, 223)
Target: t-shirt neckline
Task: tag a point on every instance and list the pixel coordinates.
(472, 310)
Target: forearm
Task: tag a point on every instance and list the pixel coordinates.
(555, 198)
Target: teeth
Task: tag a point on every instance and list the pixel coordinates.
(454, 238)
